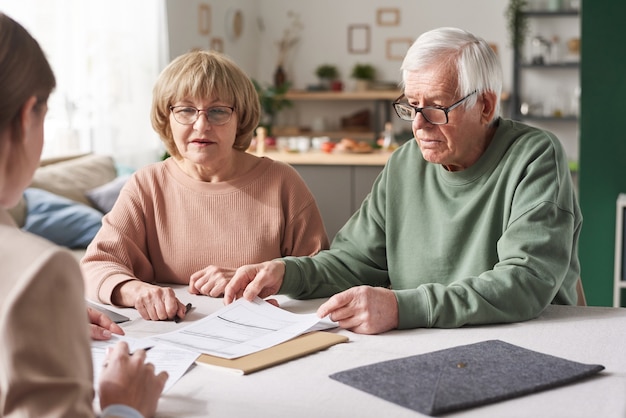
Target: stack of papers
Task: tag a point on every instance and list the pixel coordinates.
(237, 331)
(243, 328)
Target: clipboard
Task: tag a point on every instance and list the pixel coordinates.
(297, 347)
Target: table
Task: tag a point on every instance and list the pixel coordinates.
(302, 388)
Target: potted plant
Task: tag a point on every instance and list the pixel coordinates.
(364, 74)
(327, 74)
(272, 100)
(517, 24)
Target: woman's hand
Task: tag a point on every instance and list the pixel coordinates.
(210, 281)
(156, 303)
(101, 326)
(128, 380)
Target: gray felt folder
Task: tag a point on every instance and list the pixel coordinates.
(465, 376)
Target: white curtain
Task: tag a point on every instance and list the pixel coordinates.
(106, 56)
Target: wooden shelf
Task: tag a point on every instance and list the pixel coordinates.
(343, 95)
(554, 66)
(551, 13)
(375, 158)
(548, 118)
(382, 100)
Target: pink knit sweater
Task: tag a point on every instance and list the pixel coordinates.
(166, 225)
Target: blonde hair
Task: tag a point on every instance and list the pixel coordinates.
(205, 74)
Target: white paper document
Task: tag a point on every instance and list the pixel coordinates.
(174, 360)
(243, 328)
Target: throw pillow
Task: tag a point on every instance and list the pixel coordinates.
(104, 197)
(60, 220)
(72, 178)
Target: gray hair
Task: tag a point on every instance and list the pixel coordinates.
(476, 63)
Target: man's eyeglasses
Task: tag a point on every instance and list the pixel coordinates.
(433, 114)
(188, 115)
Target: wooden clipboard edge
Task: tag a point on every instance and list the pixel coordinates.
(297, 347)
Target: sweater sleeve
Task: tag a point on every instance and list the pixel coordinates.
(357, 256)
(518, 288)
(118, 252)
(46, 358)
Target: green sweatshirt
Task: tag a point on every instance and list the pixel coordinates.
(494, 243)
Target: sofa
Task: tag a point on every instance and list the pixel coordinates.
(68, 197)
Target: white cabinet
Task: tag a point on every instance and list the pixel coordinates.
(339, 181)
(339, 190)
(620, 251)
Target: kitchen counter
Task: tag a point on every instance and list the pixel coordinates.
(377, 158)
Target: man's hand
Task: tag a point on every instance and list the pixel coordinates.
(363, 309)
(254, 280)
(101, 326)
(210, 281)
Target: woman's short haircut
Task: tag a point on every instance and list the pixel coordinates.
(202, 75)
(474, 60)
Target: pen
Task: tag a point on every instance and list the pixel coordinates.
(144, 349)
(110, 348)
(188, 307)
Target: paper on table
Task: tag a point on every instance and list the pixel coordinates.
(174, 360)
(242, 328)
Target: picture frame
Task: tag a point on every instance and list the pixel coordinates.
(359, 39)
(388, 16)
(396, 48)
(204, 19)
(234, 24)
(217, 44)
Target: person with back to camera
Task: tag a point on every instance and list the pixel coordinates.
(474, 222)
(209, 208)
(45, 363)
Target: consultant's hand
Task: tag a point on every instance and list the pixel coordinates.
(363, 309)
(128, 380)
(253, 280)
(156, 303)
(101, 326)
(210, 281)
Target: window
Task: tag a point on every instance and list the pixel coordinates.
(106, 57)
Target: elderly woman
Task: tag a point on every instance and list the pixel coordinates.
(209, 208)
(45, 361)
(473, 222)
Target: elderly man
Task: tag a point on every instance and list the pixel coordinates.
(474, 222)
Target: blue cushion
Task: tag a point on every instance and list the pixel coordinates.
(60, 220)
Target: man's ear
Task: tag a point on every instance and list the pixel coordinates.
(27, 116)
(489, 106)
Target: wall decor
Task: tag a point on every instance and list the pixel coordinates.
(388, 17)
(217, 44)
(359, 39)
(234, 24)
(397, 47)
(204, 19)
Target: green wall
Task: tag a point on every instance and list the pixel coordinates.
(602, 141)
